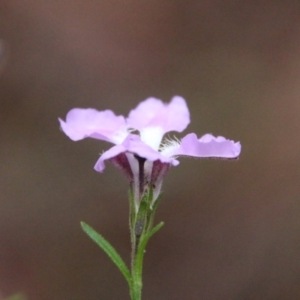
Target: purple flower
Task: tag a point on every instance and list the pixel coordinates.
(140, 150)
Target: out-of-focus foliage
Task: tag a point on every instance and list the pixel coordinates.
(16, 297)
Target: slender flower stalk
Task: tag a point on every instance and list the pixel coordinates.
(145, 156)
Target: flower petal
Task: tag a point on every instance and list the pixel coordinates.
(109, 154)
(154, 113)
(103, 125)
(133, 144)
(153, 119)
(208, 146)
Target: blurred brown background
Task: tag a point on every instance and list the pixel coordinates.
(232, 228)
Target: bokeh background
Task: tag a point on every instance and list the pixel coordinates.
(232, 228)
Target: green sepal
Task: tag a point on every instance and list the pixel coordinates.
(151, 214)
(109, 250)
(156, 202)
(131, 207)
(141, 218)
(144, 213)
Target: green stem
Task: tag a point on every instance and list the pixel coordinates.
(141, 222)
(136, 284)
(136, 288)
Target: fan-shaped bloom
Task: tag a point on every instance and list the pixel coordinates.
(140, 150)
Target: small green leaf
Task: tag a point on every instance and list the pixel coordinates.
(149, 235)
(142, 247)
(108, 249)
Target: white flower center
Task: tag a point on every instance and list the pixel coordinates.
(152, 136)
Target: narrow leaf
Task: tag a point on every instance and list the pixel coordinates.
(142, 247)
(149, 235)
(108, 249)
